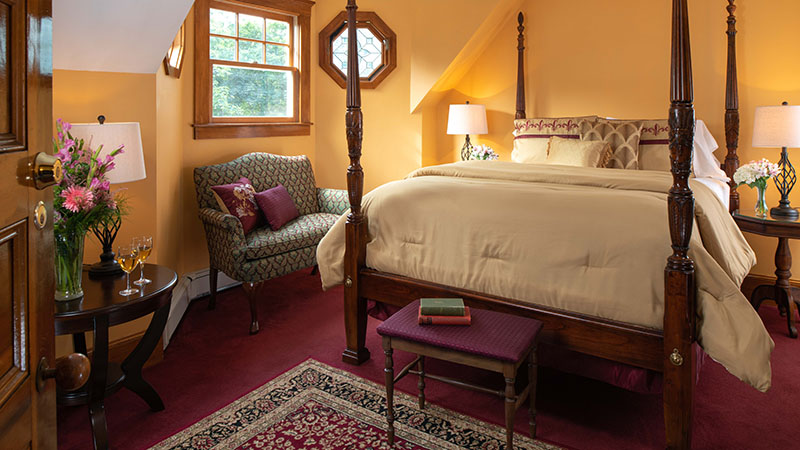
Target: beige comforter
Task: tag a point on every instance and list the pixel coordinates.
(593, 241)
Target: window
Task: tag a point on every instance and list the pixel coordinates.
(252, 68)
(377, 49)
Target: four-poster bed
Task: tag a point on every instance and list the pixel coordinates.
(670, 351)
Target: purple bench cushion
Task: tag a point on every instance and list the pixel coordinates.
(492, 334)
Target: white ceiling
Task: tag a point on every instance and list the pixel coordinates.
(115, 35)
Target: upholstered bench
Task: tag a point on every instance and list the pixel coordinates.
(495, 341)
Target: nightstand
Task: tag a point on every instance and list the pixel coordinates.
(786, 296)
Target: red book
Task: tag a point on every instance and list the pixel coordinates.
(466, 319)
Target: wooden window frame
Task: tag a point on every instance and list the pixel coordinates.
(298, 14)
(364, 19)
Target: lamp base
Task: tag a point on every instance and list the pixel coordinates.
(105, 269)
(784, 212)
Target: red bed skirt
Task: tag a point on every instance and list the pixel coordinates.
(628, 377)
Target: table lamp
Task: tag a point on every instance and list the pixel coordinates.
(779, 126)
(128, 167)
(467, 119)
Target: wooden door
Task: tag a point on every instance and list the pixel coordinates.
(27, 415)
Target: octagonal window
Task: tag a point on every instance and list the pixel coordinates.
(376, 49)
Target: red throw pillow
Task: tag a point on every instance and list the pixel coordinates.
(238, 199)
(277, 206)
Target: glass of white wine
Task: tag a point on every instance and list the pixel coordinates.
(127, 257)
(144, 246)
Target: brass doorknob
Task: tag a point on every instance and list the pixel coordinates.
(47, 170)
(71, 372)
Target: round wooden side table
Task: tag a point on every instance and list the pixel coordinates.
(101, 307)
(782, 291)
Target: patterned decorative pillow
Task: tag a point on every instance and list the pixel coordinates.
(277, 206)
(238, 199)
(623, 137)
(572, 152)
(531, 136)
(654, 145)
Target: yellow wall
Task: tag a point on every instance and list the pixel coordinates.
(612, 59)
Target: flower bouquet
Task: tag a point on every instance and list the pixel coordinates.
(482, 152)
(83, 199)
(755, 174)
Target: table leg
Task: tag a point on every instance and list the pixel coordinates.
(781, 291)
(79, 343)
(97, 383)
(133, 364)
(783, 266)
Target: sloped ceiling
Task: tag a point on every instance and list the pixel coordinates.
(115, 35)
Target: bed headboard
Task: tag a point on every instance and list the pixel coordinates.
(731, 98)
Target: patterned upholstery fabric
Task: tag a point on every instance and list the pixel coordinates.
(333, 201)
(233, 252)
(492, 334)
(305, 231)
(265, 171)
(654, 145)
(531, 136)
(623, 137)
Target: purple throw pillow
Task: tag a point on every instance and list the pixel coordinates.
(277, 206)
(238, 199)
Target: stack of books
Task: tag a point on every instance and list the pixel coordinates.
(443, 311)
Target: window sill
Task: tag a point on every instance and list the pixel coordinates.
(250, 130)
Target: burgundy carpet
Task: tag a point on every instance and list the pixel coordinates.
(212, 361)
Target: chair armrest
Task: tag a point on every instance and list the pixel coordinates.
(333, 201)
(225, 236)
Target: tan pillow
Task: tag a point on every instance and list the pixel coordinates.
(572, 152)
(531, 136)
(623, 137)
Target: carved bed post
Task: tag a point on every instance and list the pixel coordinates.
(679, 298)
(355, 306)
(732, 108)
(520, 69)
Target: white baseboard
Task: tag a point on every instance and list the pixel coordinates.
(191, 286)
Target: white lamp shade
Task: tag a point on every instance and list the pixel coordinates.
(777, 126)
(128, 165)
(467, 119)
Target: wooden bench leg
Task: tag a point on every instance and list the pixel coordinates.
(532, 375)
(511, 403)
(389, 374)
(421, 381)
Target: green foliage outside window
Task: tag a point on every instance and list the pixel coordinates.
(244, 92)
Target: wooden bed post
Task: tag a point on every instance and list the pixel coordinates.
(355, 306)
(732, 108)
(520, 68)
(679, 298)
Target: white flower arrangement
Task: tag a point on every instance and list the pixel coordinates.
(756, 173)
(483, 152)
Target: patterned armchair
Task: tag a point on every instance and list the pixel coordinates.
(264, 254)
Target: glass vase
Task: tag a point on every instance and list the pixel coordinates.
(69, 264)
(761, 201)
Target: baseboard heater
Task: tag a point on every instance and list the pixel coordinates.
(191, 286)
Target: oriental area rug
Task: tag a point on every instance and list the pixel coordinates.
(315, 406)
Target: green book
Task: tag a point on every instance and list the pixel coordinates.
(441, 306)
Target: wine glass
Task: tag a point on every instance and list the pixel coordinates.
(144, 246)
(127, 257)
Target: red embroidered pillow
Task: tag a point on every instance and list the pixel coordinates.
(238, 199)
(277, 206)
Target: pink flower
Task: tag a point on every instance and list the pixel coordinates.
(77, 198)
